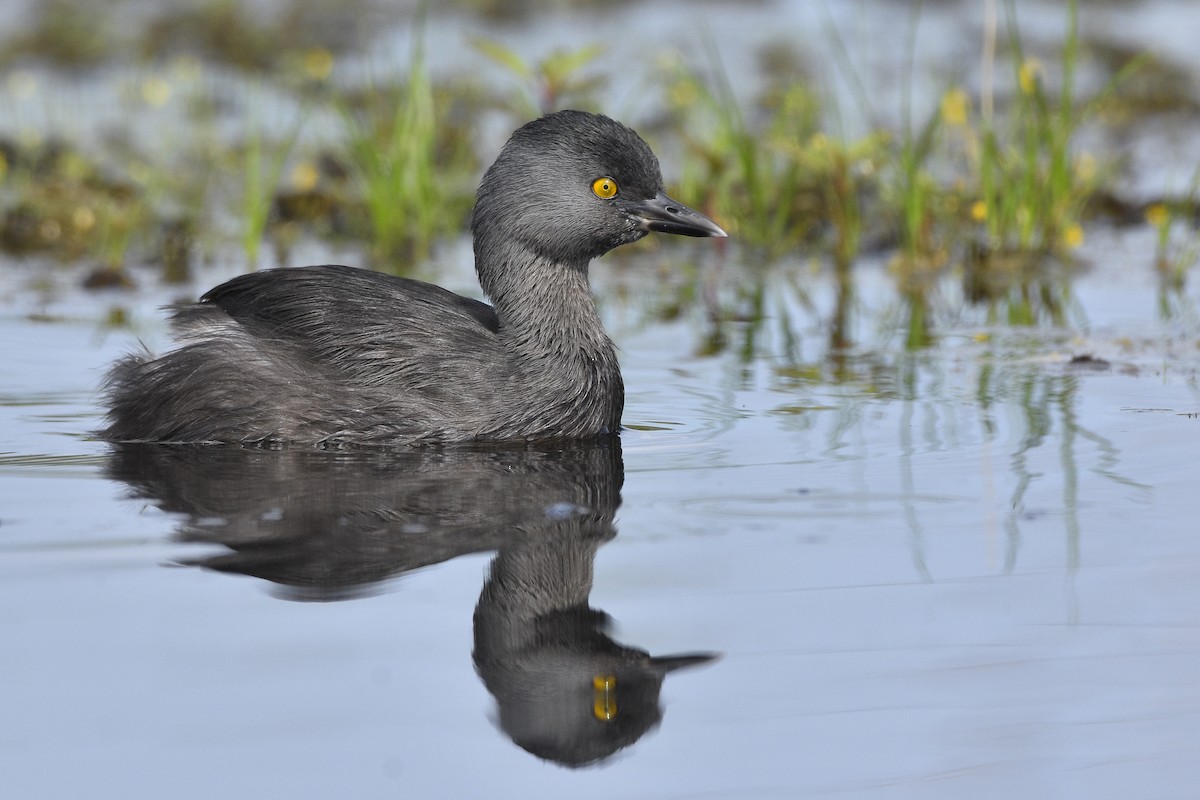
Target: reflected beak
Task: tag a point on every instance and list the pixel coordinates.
(666, 664)
(665, 215)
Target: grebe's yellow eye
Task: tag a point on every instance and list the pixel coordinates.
(604, 188)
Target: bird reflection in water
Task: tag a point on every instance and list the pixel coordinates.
(331, 526)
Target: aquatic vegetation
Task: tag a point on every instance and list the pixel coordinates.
(1031, 187)
(981, 197)
(262, 166)
(1151, 83)
(774, 173)
(79, 34)
(1175, 250)
(221, 31)
(229, 33)
(59, 202)
(1017, 290)
(412, 174)
(556, 82)
(73, 34)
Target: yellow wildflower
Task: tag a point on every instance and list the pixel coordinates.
(304, 176)
(84, 219)
(1073, 236)
(318, 63)
(979, 211)
(156, 92)
(73, 166)
(955, 105)
(1157, 215)
(1029, 75)
(684, 94)
(1085, 167)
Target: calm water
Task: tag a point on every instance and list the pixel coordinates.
(966, 572)
(971, 571)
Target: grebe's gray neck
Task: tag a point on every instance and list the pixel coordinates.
(545, 306)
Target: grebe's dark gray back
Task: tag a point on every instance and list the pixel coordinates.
(335, 356)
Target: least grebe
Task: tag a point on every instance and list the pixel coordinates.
(336, 356)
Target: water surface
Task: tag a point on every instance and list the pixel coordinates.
(968, 570)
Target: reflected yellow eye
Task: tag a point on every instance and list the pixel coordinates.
(604, 701)
(604, 188)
